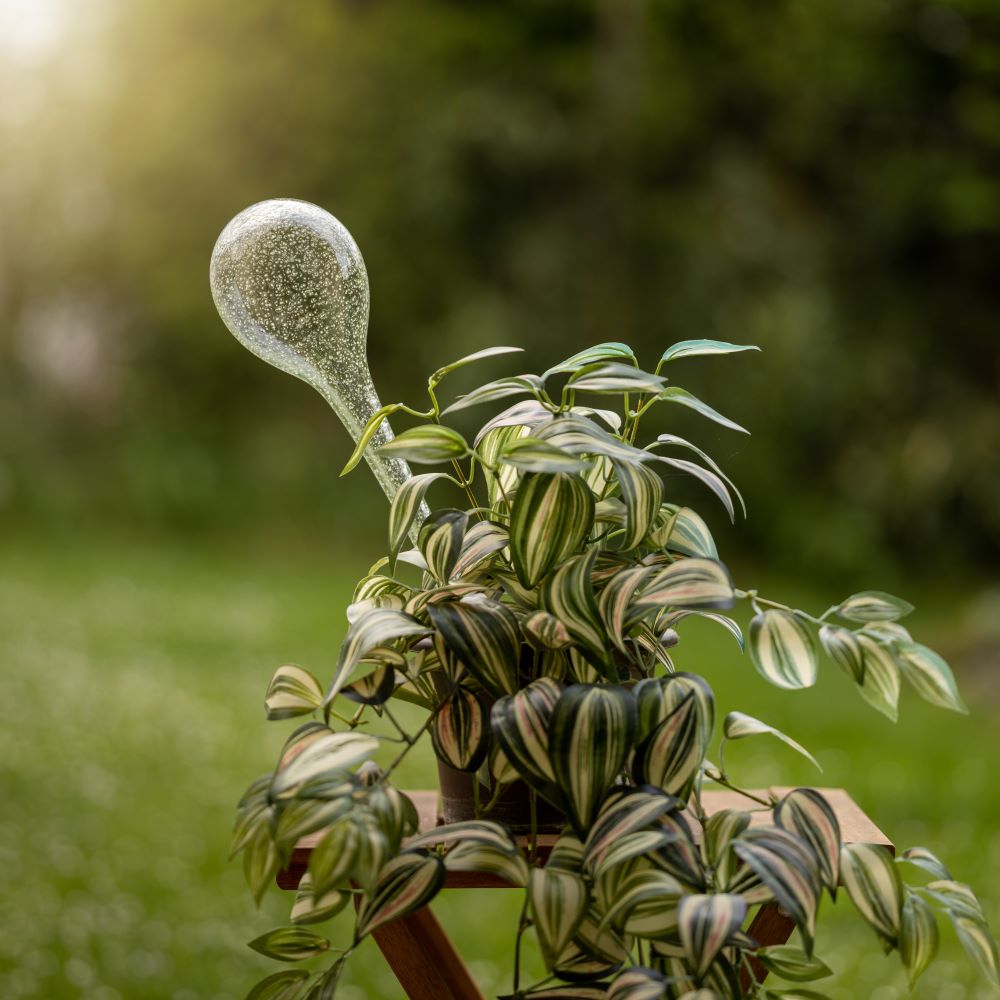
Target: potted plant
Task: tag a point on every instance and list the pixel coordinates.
(534, 622)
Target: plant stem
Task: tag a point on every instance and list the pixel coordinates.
(410, 740)
(720, 780)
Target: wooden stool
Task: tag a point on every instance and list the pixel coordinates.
(425, 961)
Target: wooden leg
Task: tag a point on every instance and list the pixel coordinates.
(769, 926)
(424, 960)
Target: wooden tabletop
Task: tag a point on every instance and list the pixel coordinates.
(855, 828)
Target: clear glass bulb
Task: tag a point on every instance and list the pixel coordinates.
(290, 283)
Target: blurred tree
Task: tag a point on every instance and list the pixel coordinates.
(817, 178)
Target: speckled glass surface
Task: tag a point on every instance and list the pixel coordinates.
(290, 283)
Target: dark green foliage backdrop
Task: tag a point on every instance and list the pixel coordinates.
(818, 178)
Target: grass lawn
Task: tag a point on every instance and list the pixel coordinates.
(131, 721)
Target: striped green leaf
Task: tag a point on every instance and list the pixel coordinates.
(623, 812)
(375, 627)
(551, 516)
(581, 436)
(610, 351)
(705, 924)
(787, 867)
(675, 394)
(613, 377)
(475, 856)
(930, 676)
(703, 994)
(577, 991)
(567, 853)
(689, 583)
(782, 649)
(843, 648)
(253, 813)
(979, 945)
(440, 540)
(375, 688)
(923, 858)
(525, 415)
(658, 697)
(293, 691)
(669, 758)
(642, 492)
(670, 619)
(520, 724)
(681, 858)
(737, 725)
(290, 944)
(881, 684)
(638, 983)
(373, 851)
(531, 455)
(604, 944)
(405, 507)
(568, 594)
(955, 897)
(331, 754)
(333, 860)
(644, 903)
(487, 352)
(404, 884)
(711, 479)
(693, 348)
(590, 737)
(792, 963)
(511, 385)
(578, 964)
(309, 908)
(426, 445)
(615, 601)
(722, 828)
(481, 541)
(797, 995)
(485, 637)
(260, 862)
(873, 606)
(284, 985)
(918, 936)
(558, 901)
(873, 883)
(367, 433)
(672, 440)
(628, 848)
(459, 733)
(545, 631)
(302, 816)
(682, 530)
(501, 480)
(807, 814)
(395, 812)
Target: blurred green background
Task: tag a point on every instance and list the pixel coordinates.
(818, 178)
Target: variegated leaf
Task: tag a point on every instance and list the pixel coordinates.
(590, 737)
(706, 923)
(630, 847)
(670, 619)
(374, 422)
(642, 492)
(520, 724)
(792, 963)
(374, 628)
(476, 856)
(683, 531)
(677, 395)
(693, 348)
(531, 455)
(613, 377)
(293, 691)
(689, 583)
(789, 870)
(578, 965)
(979, 945)
(487, 352)
(375, 688)
(558, 901)
(806, 813)
(405, 507)
(873, 606)
(441, 537)
(253, 812)
(615, 602)
(669, 758)
(568, 594)
(955, 897)
(918, 936)
(484, 636)
(658, 697)
(308, 909)
(843, 648)
(623, 812)
(577, 991)
(284, 985)
(713, 481)
(526, 414)
(333, 860)
(881, 684)
(672, 440)
(512, 385)
(681, 857)
(638, 983)
(552, 514)
(930, 676)
(738, 725)
(545, 632)
(330, 754)
(873, 883)
(610, 351)
(260, 862)
(460, 733)
(479, 831)
(290, 944)
(923, 858)
(782, 649)
(644, 903)
(581, 436)
(427, 444)
(481, 541)
(395, 811)
(302, 816)
(404, 884)
(721, 829)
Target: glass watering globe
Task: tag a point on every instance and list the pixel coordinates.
(290, 283)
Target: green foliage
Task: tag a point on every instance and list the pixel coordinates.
(536, 627)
